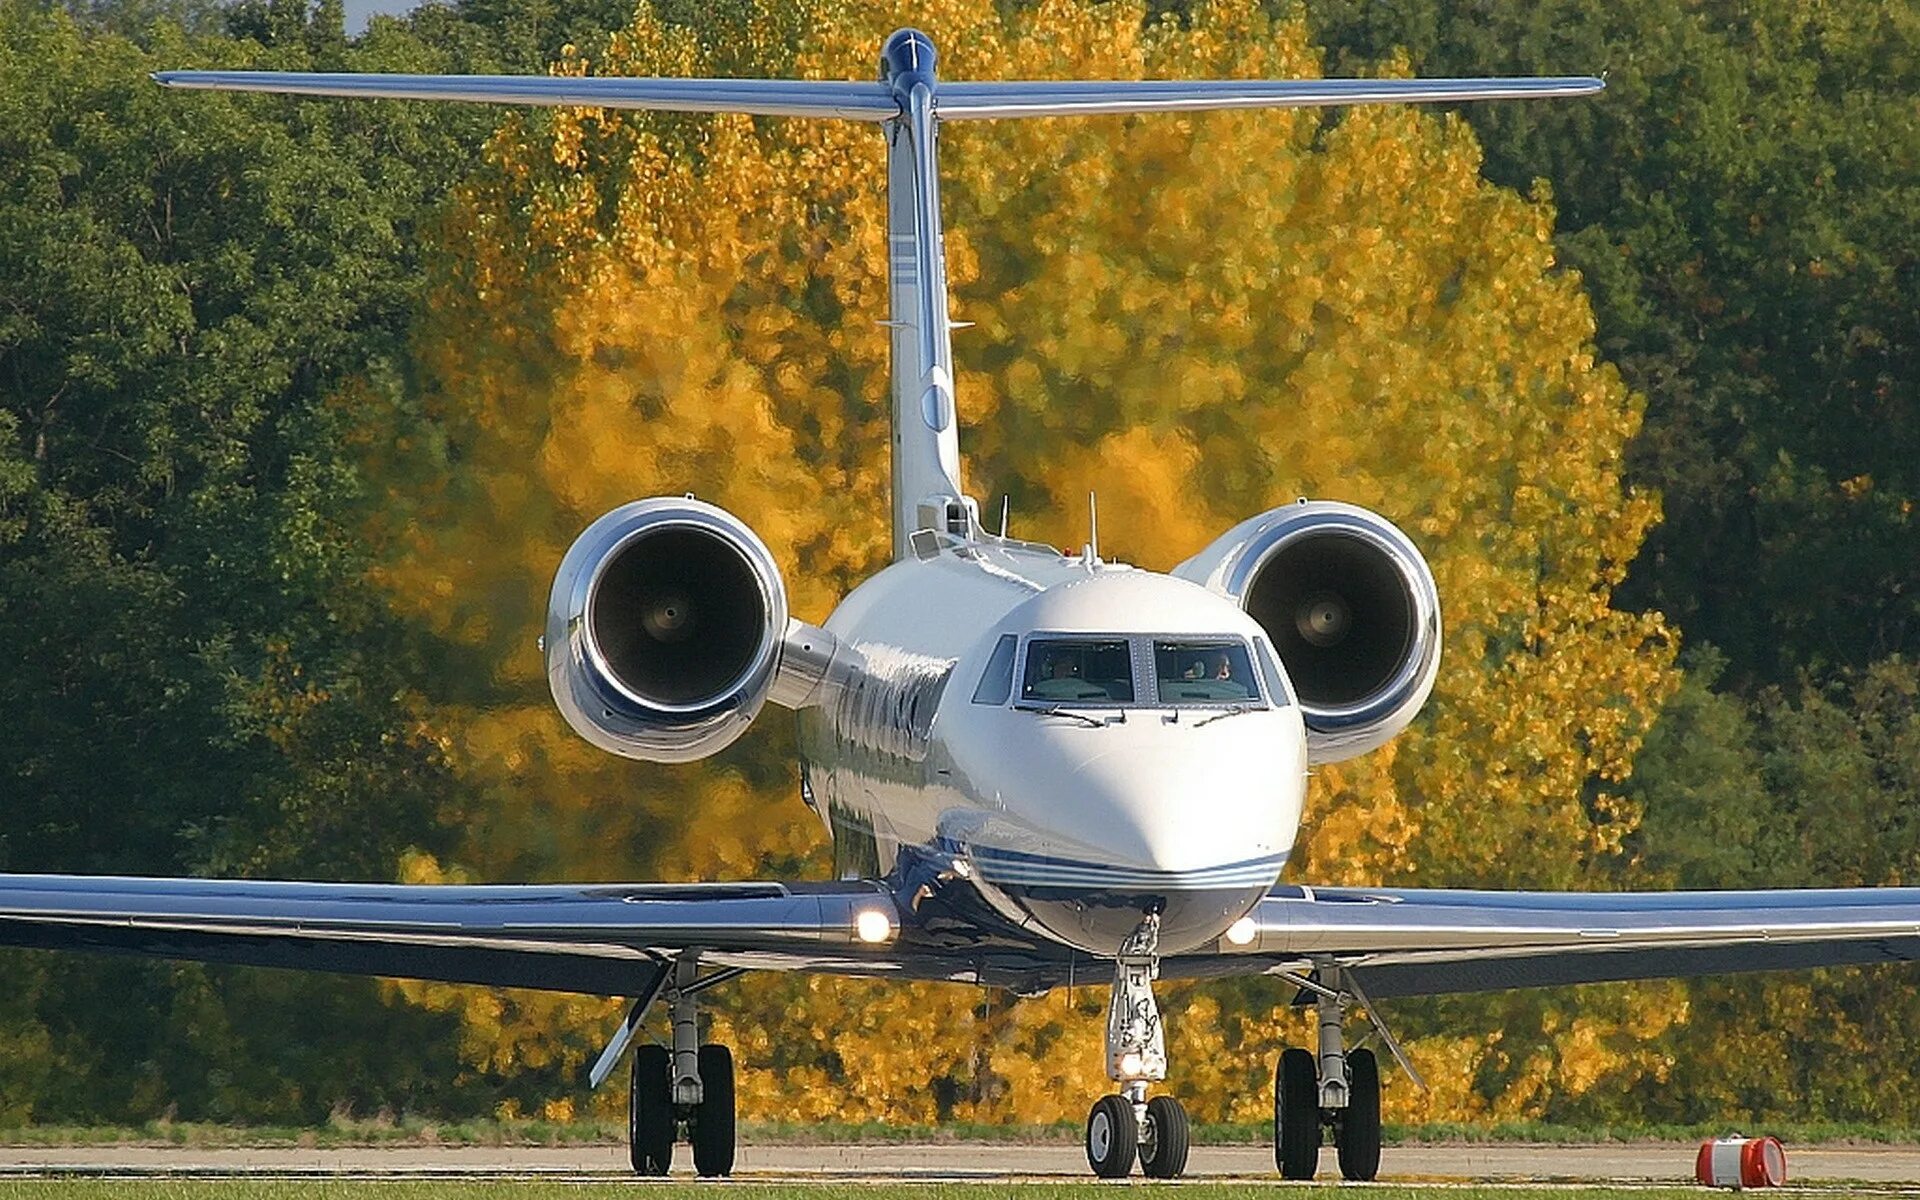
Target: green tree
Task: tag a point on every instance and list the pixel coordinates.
(1740, 203)
(200, 676)
(1809, 786)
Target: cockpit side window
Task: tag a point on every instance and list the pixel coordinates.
(1271, 672)
(996, 682)
(1209, 672)
(1078, 671)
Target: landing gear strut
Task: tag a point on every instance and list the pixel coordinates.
(1337, 1089)
(1126, 1126)
(689, 1087)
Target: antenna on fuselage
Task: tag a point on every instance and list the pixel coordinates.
(1006, 502)
(1093, 528)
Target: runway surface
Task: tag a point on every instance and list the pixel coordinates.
(1636, 1163)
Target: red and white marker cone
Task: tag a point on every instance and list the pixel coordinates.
(1741, 1162)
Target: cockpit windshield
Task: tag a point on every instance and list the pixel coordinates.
(1215, 671)
(1060, 670)
(1204, 672)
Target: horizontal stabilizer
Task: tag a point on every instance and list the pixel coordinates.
(758, 97)
(875, 101)
(982, 101)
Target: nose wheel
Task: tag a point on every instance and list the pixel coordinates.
(1163, 1144)
(1121, 1132)
(1113, 1137)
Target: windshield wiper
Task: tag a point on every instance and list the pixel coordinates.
(1057, 711)
(1230, 711)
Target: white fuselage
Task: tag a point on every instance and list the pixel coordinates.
(1075, 813)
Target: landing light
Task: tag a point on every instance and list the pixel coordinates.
(1131, 1065)
(872, 926)
(1243, 931)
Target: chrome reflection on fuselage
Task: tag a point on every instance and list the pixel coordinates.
(1103, 742)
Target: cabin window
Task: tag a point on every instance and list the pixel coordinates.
(1079, 671)
(1204, 672)
(996, 682)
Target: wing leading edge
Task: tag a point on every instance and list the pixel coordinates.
(1425, 941)
(605, 939)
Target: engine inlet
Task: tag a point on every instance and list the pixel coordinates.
(677, 615)
(1341, 616)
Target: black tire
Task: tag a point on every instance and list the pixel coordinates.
(1296, 1115)
(712, 1126)
(650, 1111)
(1163, 1155)
(1357, 1136)
(1113, 1137)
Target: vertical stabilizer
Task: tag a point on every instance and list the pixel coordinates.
(926, 442)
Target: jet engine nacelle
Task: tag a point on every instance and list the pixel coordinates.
(665, 630)
(1352, 611)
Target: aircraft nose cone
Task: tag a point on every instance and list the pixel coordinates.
(1115, 831)
(1172, 815)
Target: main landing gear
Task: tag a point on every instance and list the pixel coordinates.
(687, 1088)
(1337, 1090)
(1126, 1126)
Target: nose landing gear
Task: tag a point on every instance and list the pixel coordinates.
(1127, 1126)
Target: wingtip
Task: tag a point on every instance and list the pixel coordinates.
(164, 78)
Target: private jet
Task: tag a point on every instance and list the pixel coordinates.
(1028, 761)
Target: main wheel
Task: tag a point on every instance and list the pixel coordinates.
(1113, 1137)
(1163, 1153)
(650, 1111)
(1357, 1135)
(1296, 1115)
(711, 1127)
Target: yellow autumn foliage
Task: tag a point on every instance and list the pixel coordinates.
(1198, 317)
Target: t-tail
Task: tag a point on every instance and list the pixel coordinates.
(909, 102)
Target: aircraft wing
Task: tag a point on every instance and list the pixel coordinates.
(1403, 942)
(605, 939)
(610, 939)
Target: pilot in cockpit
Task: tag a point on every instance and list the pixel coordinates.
(1212, 664)
(1061, 665)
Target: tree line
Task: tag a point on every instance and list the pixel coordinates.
(299, 402)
